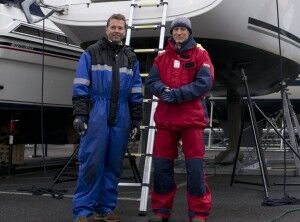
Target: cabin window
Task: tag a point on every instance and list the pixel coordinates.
(69, 41)
(62, 38)
(28, 30)
(49, 35)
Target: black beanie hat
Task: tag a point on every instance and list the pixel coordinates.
(181, 22)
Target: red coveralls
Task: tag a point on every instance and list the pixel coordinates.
(190, 73)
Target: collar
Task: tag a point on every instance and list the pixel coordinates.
(186, 45)
(105, 43)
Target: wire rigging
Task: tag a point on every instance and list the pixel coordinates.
(42, 100)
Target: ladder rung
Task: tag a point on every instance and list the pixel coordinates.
(134, 154)
(145, 50)
(130, 184)
(147, 127)
(137, 27)
(150, 100)
(148, 4)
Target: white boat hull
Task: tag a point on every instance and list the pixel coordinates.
(23, 77)
(36, 77)
(22, 57)
(217, 19)
(233, 32)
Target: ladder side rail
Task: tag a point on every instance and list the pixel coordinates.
(163, 25)
(210, 124)
(148, 160)
(130, 20)
(151, 133)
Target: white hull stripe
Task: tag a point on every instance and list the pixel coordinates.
(273, 28)
(35, 51)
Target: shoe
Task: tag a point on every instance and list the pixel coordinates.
(81, 219)
(156, 218)
(107, 217)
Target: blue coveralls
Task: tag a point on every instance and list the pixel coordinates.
(102, 147)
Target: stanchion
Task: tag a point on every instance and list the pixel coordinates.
(12, 129)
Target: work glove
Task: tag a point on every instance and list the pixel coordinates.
(80, 124)
(168, 96)
(135, 130)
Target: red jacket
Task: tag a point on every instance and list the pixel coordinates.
(190, 73)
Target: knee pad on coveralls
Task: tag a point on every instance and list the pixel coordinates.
(163, 173)
(195, 176)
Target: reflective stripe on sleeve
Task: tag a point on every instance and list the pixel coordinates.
(136, 90)
(82, 81)
(126, 70)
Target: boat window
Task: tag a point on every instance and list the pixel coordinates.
(39, 33)
(28, 30)
(49, 35)
(69, 41)
(62, 38)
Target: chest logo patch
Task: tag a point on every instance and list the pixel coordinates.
(176, 64)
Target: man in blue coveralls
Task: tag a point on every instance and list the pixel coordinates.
(107, 103)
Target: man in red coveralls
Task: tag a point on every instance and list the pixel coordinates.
(180, 77)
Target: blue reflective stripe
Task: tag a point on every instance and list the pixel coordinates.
(105, 67)
(99, 67)
(136, 95)
(126, 70)
(136, 90)
(82, 81)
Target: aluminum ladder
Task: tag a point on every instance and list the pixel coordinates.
(145, 185)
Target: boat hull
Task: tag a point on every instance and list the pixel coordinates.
(234, 32)
(36, 77)
(28, 80)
